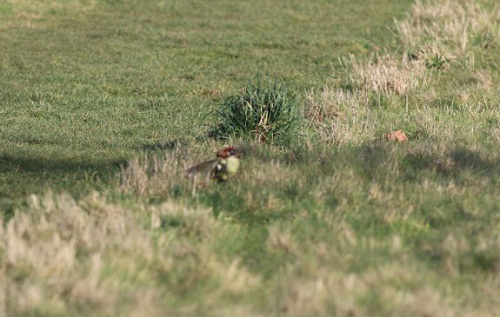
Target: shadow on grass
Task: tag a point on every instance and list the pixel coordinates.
(454, 161)
(166, 145)
(375, 162)
(20, 164)
(21, 176)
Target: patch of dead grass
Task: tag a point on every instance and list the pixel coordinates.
(338, 116)
(392, 289)
(385, 74)
(437, 36)
(448, 22)
(60, 254)
(159, 175)
(280, 239)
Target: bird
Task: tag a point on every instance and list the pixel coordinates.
(222, 168)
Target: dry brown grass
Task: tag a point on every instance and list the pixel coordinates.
(312, 296)
(61, 254)
(400, 288)
(159, 175)
(449, 23)
(386, 74)
(154, 175)
(410, 86)
(338, 116)
(379, 229)
(280, 239)
(354, 123)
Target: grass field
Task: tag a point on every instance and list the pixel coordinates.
(103, 104)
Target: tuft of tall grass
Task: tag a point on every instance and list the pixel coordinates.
(386, 74)
(266, 111)
(455, 25)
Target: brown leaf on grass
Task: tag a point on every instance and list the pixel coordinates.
(398, 136)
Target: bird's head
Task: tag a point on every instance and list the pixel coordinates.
(227, 152)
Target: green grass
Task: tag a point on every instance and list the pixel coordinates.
(99, 84)
(267, 111)
(103, 104)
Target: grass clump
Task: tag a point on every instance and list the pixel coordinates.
(265, 111)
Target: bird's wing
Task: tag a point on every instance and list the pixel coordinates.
(205, 166)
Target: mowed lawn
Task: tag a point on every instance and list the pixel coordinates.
(88, 84)
(103, 105)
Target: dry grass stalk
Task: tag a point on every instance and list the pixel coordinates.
(385, 74)
(280, 240)
(159, 175)
(333, 114)
(340, 117)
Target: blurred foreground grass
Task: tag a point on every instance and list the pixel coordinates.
(104, 104)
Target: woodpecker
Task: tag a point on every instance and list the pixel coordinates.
(224, 166)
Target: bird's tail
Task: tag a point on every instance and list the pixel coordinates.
(205, 166)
